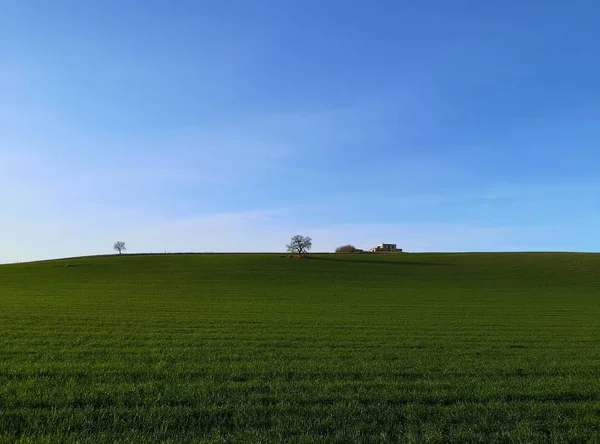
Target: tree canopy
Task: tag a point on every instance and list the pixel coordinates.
(299, 245)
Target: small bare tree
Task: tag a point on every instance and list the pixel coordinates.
(299, 245)
(119, 246)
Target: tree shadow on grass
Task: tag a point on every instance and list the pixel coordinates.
(378, 261)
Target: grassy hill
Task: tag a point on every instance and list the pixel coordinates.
(337, 348)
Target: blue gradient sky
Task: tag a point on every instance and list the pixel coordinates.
(233, 125)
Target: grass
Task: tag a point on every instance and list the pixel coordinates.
(336, 348)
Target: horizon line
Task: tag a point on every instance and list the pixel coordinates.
(286, 253)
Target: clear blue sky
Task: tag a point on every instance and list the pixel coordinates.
(233, 125)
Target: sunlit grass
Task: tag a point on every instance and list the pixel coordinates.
(338, 348)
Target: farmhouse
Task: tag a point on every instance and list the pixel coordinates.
(388, 248)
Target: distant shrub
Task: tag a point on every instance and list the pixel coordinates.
(347, 249)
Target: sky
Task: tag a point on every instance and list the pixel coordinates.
(219, 126)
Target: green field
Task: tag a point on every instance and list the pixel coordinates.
(335, 348)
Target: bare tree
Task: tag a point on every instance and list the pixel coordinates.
(119, 246)
(299, 245)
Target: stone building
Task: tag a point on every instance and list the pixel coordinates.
(385, 248)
